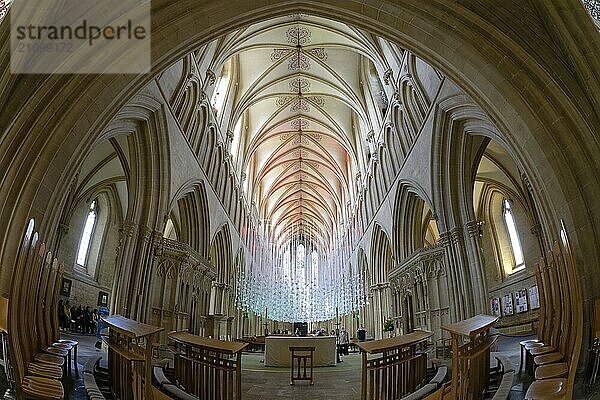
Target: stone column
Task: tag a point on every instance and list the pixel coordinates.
(465, 268)
(135, 256)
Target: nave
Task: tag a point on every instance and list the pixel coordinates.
(289, 180)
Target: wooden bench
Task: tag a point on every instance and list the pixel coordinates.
(159, 375)
(433, 385)
(91, 388)
(422, 392)
(506, 384)
(440, 375)
(255, 343)
(89, 380)
(170, 388)
(178, 393)
(504, 363)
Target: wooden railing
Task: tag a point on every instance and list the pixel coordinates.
(471, 342)
(400, 369)
(208, 368)
(130, 346)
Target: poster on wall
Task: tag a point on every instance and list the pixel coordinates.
(495, 306)
(102, 299)
(507, 305)
(65, 287)
(534, 297)
(521, 300)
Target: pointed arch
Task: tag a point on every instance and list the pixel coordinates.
(193, 211)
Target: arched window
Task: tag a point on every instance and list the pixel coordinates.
(513, 235)
(86, 236)
(218, 98)
(235, 143)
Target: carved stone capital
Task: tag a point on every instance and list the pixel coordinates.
(210, 77)
(387, 76)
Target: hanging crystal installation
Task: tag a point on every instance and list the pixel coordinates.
(300, 279)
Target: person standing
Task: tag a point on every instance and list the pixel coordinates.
(344, 341)
(361, 334)
(86, 318)
(68, 319)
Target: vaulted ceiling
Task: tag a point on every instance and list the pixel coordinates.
(306, 95)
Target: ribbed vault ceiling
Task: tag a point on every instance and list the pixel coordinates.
(304, 118)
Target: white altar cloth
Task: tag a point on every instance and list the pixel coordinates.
(277, 352)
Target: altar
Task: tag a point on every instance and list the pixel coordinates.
(277, 353)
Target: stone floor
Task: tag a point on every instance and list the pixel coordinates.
(263, 383)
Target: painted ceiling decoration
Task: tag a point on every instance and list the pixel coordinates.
(304, 105)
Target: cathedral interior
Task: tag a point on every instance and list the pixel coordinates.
(402, 194)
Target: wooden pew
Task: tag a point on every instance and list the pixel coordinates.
(30, 369)
(130, 344)
(400, 369)
(471, 342)
(208, 368)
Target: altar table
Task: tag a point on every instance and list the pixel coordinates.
(277, 352)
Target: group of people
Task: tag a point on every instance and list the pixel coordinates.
(77, 319)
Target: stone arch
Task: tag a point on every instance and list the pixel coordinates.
(409, 232)
(382, 259)
(220, 253)
(382, 262)
(144, 122)
(193, 221)
(509, 73)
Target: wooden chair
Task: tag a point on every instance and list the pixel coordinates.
(562, 388)
(46, 306)
(44, 353)
(302, 354)
(555, 312)
(20, 327)
(50, 326)
(555, 365)
(52, 323)
(34, 368)
(547, 358)
(540, 269)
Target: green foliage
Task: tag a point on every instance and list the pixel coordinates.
(388, 325)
